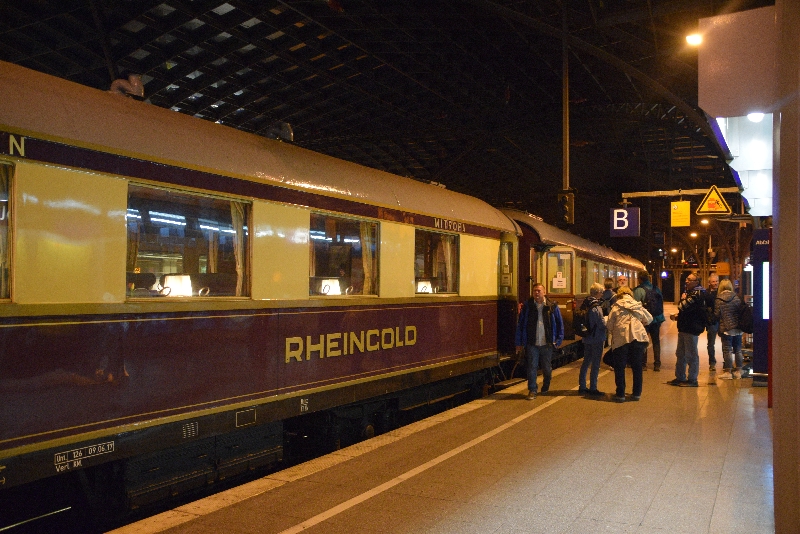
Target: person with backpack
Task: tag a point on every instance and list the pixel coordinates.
(712, 323)
(691, 319)
(593, 340)
(653, 301)
(726, 308)
(626, 324)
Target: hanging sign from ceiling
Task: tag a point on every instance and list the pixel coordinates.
(713, 204)
(680, 213)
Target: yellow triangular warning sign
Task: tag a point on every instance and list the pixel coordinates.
(713, 204)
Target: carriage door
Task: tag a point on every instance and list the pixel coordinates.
(559, 282)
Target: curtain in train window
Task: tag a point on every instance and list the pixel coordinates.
(559, 273)
(584, 276)
(5, 260)
(344, 256)
(185, 245)
(436, 262)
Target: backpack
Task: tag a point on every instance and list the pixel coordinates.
(606, 306)
(653, 301)
(580, 318)
(744, 318)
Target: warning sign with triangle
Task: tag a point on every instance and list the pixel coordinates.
(713, 204)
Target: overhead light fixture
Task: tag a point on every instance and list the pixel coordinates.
(703, 221)
(755, 117)
(694, 39)
(693, 234)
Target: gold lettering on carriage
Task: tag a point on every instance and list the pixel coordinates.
(348, 343)
(446, 224)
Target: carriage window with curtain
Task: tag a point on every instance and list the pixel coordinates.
(436, 262)
(5, 204)
(344, 256)
(186, 245)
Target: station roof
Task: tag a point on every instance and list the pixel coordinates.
(465, 93)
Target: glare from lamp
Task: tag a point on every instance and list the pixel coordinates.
(330, 287)
(694, 39)
(179, 285)
(424, 286)
(674, 250)
(693, 234)
(703, 221)
(755, 117)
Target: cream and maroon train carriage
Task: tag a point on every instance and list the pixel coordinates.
(178, 298)
(567, 266)
(174, 292)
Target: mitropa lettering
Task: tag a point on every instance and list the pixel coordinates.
(347, 343)
(445, 224)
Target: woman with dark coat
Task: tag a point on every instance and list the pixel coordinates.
(726, 308)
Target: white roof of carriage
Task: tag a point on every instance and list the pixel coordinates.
(39, 105)
(550, 235)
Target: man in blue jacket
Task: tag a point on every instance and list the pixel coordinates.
(540, 329)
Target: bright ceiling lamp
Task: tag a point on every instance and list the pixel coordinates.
(755, 117)
(694, 39)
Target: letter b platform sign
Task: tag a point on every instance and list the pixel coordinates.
(624, 222)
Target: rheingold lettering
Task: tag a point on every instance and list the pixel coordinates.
(337, 344)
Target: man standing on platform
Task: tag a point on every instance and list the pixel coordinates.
(540, 329)
(712, 329)
(653, 301)
(691, 319)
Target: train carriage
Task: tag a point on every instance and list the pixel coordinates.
(567, 266)
(179, 299)
(174, 290)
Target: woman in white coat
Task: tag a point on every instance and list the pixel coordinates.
(626, 323)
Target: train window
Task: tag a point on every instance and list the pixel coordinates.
(5, 189)
(559, 272)
(344, 256)
(186, 245)
(435, 262)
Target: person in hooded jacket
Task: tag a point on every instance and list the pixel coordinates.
(592, 341)
(726, 308)
(626, 324)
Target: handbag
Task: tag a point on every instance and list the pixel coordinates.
(608, 358)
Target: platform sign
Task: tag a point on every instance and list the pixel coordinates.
(680, 213)
(624, 222)
(713, 204)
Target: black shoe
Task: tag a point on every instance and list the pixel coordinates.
(676, 382)
(596, 392)
(545, 390)
(583, 391)
(656, 368)
(689, 384)
(619, 399)
(635, 397)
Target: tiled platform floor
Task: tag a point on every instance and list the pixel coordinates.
(681, 460)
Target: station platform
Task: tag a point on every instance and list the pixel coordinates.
(682, 459)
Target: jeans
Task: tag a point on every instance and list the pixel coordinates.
(629, 354)
(655, 338)
(731, 347)
(687, 355)
(535, 354)
(592, 352)
(711, 336)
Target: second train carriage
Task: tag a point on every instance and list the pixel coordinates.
(567, 266)
(177, 295)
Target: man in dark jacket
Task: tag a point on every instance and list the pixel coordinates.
(540, 329)
(691, 323)
(639, 294)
